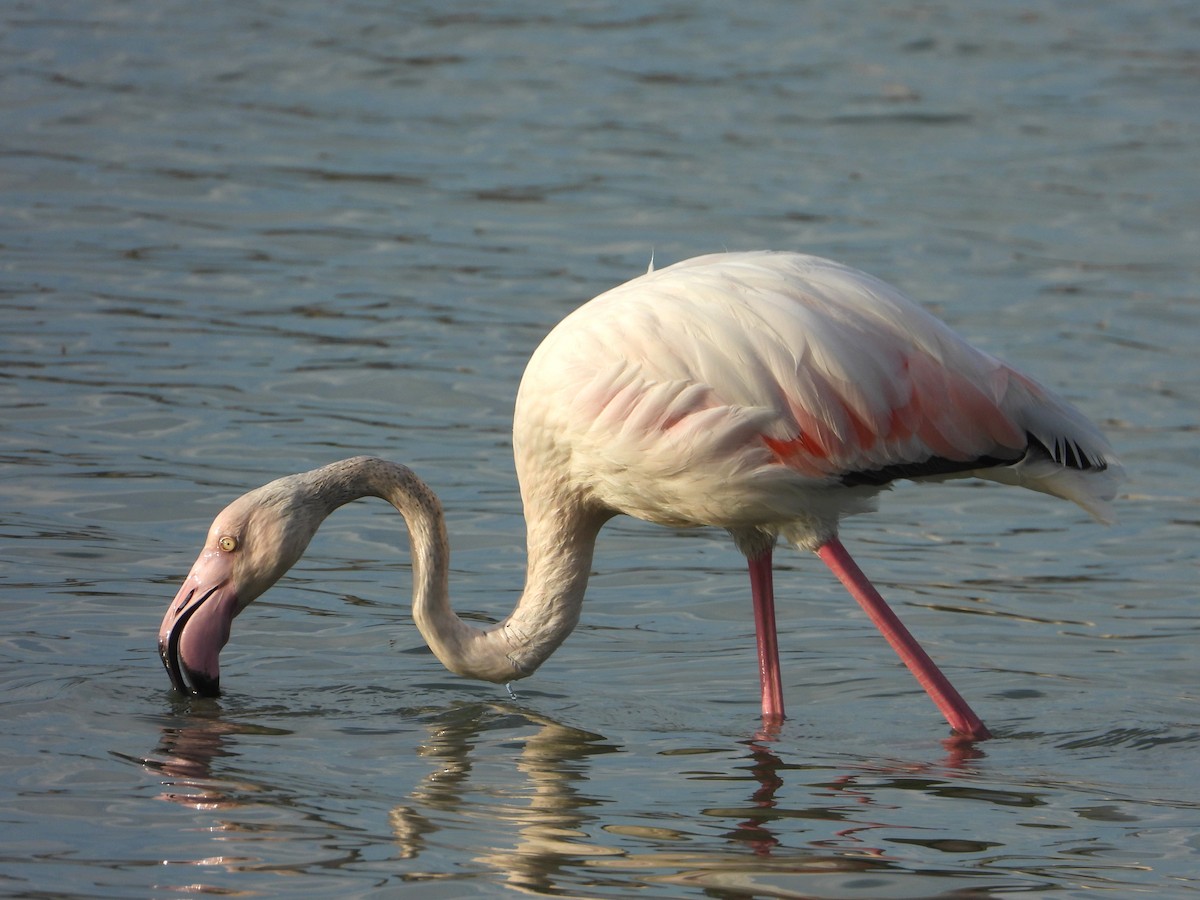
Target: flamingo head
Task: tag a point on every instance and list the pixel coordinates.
(250, 545)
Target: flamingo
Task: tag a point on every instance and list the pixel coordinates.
(768, 393)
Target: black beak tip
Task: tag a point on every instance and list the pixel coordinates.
(185, 680)
(203, 685)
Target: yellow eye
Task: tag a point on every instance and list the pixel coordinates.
(227, 543)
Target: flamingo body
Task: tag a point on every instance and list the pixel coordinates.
(770, 394)
(780, 392)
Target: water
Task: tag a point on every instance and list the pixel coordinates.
(241, 240)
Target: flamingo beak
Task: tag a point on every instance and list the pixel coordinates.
(197, 625)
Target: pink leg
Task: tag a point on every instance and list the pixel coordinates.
(762, 592)
(960, 716)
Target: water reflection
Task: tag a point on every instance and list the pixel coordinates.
(550, 818)
(186, 755)
(555, 826)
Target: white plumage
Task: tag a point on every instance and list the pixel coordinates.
(772, 389)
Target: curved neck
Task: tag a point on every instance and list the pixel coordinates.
(559, 548)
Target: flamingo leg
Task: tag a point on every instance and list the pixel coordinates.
(762, 591)
(960, 716)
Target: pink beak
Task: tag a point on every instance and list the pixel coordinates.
(197, 625)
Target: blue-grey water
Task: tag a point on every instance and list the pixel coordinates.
(243, 239)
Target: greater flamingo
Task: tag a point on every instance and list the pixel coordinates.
(766, 393)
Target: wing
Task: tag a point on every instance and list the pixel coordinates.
(740, 388)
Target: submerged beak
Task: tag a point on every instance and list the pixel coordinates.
(197, 624)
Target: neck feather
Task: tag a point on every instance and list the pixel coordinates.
(559, 551)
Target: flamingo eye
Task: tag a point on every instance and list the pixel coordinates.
(227, 543)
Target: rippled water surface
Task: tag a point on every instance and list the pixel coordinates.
(239, 240)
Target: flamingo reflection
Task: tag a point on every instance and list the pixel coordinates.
(548, 823)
